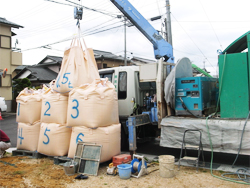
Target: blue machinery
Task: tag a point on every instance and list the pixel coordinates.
(161, 47)
(198, 94)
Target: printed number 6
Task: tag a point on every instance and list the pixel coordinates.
(76, 108)
(45, 113)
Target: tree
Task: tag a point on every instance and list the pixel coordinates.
(19, 85)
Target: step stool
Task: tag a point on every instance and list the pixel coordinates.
(186, 147)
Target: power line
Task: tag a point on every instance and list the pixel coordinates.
(211, 25)
(70, 38)
(192, 41)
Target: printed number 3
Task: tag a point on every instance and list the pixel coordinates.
(45, 113)
(75, 108)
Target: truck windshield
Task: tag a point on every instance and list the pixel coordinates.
(109, 76)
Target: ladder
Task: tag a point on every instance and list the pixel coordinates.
(186, 147)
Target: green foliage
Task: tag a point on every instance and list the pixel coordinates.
(19, 85)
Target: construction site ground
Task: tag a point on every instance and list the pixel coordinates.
(24, 171)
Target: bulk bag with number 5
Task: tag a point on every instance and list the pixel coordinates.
(27, 136)
(93, 105)
(54, 139)
(54, 107)
(78, 67)
(29, 106)
(109, 137)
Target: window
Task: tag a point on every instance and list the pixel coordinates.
(122, 85)
(109, 76)
(5, 42)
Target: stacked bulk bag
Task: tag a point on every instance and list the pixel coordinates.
(78, 67)
(93, 116)
(27, 136)
(93, 105)
(54, 107)
(28, 118)
(109, 137)
(29, 106)
(54, 139)
(54, 136)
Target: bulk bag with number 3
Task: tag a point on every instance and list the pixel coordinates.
(29, 106)
(93, 105)
(78, 67)
(54, 107)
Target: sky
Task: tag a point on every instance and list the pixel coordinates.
(199, 27)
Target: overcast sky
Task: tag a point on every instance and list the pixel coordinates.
(199, 27)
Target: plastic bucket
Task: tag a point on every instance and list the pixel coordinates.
(124, 170)
(166, 166)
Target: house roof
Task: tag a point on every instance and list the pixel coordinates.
(106, 55)
(11, 24)
(38, 73)
(142, 60)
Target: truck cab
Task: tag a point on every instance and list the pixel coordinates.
(135, 94)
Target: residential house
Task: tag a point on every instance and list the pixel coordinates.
(8, 59)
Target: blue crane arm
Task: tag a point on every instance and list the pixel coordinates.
(161, 47)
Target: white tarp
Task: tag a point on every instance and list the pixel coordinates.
(225, 134)
(183, 68)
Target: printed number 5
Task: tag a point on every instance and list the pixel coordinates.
(65, 76)
(46, 136)
(76, 108)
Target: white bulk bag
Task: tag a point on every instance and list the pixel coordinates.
(28, 106)
(54, 139)
(93, 105)
(27, 136)
(54, 107)
(109, 137)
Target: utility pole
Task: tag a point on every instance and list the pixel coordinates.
(168, 24)
(125, 46)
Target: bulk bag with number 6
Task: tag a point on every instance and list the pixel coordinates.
(54, 139)
(93, 105)
(54, 107)
(109, 137)
(28, 106)
(27, 136)
(78, 67)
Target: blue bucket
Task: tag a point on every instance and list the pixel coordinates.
(124, 170)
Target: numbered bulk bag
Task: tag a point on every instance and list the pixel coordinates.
(109, 137)
(54, 107)
(54, 139)
(28, 135)
(93, 105)
(78, 67)
(29, 106)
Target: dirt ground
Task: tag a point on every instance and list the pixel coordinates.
(22, 171)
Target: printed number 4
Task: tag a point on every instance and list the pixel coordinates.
(75, 108)
(45, 113)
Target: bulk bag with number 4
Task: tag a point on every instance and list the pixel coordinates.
(93, 105)
(109, 137)
(54, 107)
(54, 139)
(27, 136)
(29, 106)
(78, 67)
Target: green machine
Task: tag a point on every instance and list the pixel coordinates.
(234, 79)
